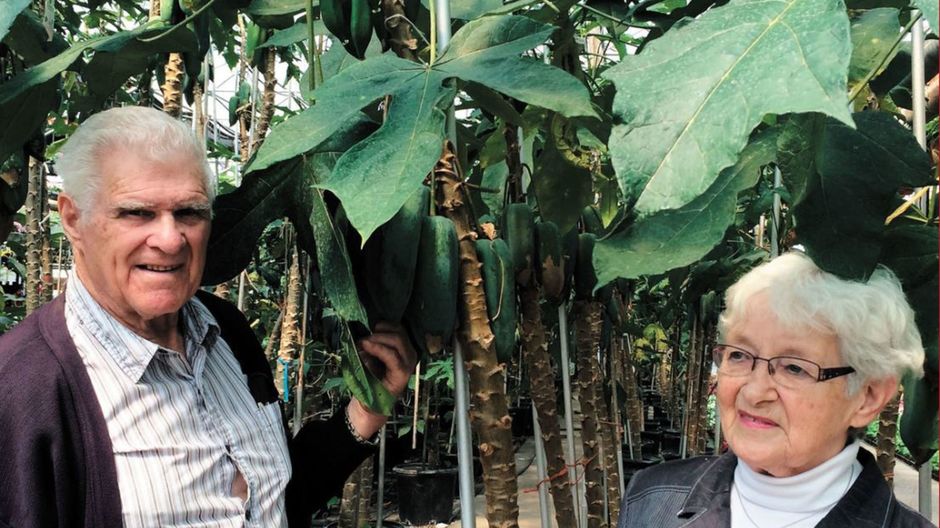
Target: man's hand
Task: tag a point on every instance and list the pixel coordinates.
(388, 354)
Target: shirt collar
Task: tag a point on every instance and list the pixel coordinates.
(131, 352)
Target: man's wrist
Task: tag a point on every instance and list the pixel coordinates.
(363, 423)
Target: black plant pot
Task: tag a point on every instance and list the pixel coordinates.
(522, 426)
(425, 494)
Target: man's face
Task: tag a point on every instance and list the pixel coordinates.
(141, 248)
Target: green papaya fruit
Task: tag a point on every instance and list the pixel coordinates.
(569, 247)
(550, 268)
(592, 221)
(378, 23)
(518, 230)
(432, 308)
(584, 277)
(335, 16)
(499, 285)
(390, 257)
(360, 27)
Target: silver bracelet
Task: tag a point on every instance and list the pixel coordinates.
(371, 442)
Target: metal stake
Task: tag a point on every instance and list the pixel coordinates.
(775, 225)
(380, 507)
(464, 454)
(924, 477)
(541, 464)
(569, 420)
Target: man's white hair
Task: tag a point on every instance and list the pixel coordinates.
(130, 130)
(872, 321)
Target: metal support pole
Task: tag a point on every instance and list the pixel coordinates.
(924, 477)
(380, 506)
(569, 419)
(464, 442)
(775, 225)
(541, 465)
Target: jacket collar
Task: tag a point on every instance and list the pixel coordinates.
(709, 501)
(869, 503)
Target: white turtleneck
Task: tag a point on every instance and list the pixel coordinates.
(800, 501)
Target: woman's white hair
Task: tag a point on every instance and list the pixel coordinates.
(130, 130)
(872, 320)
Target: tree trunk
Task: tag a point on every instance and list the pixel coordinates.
(271, 347)
(356, 491)
(704, 432)
(588, 325)
(542, 389)
(173, 85)
(608, 434)
(489, 410)
(400, 37)
(34, 236)
(267, 99)
(199, 116)
(693, 377)
(290, 326)
(887, 433)
(633, 404)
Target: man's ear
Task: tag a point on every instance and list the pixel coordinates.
(70, 215)
(872, 398)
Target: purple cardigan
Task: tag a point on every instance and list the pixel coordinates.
(56, 461)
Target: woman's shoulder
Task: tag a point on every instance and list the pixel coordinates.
(679, 473)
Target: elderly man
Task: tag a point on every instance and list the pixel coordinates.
(134, 399)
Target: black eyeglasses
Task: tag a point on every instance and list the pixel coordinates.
(789, 371)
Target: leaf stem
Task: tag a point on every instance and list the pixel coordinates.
(311, 51)
(432, 9)
(871, 73)
(185, 21)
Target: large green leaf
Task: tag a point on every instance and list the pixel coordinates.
(111, 66)
(28, 38)
(278, 7)
(50, 68)
(796, 152)
(931, 11)
(562, 189)
(689, 101)
(11, 9)
(24, 116)
(375, 177)
(333, 262)
(487, 51)
(671, 239)
(911, 252)
(841, 218)
(339, 99)
(292, 35)
(873, 35)
(240, 216)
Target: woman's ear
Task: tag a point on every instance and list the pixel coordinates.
(872, 398)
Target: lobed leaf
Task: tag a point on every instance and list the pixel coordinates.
(689, 101)
(671, 239)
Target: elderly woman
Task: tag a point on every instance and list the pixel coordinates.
(806, 361)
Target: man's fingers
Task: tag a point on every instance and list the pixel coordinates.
(387, 355)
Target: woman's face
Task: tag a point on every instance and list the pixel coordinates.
(782, 431)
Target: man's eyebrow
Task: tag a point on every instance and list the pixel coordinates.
(131, 206)
(199, 206)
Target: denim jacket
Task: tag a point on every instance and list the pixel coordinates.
(696, 492)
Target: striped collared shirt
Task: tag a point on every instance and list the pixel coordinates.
(181, 429)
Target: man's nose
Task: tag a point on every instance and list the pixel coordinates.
(168, 235)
